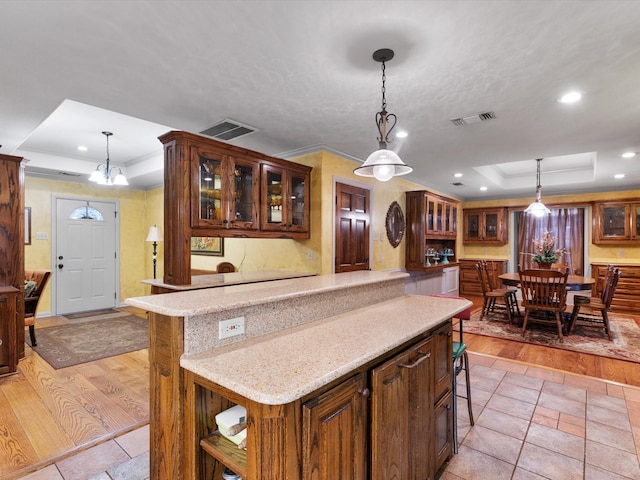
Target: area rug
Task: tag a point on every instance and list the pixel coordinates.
(71, 344)
(92, 313)
(625, 333)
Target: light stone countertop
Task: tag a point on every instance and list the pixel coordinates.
(284, 366)
(203, 301)
(227, 279)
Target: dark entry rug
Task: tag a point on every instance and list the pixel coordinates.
(91, 313)
(71, 344)
(625, 333)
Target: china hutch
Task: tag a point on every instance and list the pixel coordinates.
(213, 189)
(616, 223)
(12, 240)
(485, 226)
(431, 230)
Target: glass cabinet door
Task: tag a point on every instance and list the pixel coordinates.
(244, 194)
(212, 208)
(491, 226)
(614, 221)
(273, 208)
(431, 215)
(472, 226)
(635, 220)
(299, 198)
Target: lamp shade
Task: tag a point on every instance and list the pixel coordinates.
(383, 164)
(537, 208)
(155, 234)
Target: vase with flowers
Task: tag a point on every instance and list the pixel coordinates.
(545, 252)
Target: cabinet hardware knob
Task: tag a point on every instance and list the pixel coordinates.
(419, 360)
(365, 392)
(225, 221)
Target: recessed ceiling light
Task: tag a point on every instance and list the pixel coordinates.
(628, 154)
(82, 148)
(619, 175)
(483, 188)
(402, 134)
(457, 175)
(570, 97)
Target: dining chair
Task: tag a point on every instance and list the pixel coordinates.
(491, 296)
(460, 363)
(498, 286)
(544, 292)
(593, 311)
(560, 266)
(37, 280)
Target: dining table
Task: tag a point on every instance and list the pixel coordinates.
(574, 282)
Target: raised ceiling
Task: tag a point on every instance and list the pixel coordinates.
(301, 74)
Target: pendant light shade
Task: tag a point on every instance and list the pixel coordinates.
(103, 172)
(383, 164)
(537, 208)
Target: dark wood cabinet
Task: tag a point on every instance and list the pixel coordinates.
(8, 323)
(212, 189)
(390, 418)
(12, 261)
(625, 298)
(487, 226)
(616, 223)
(431, 230)
(334, 432)
(469, 280)
(285, 199)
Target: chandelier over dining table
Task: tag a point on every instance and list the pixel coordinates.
(104, 173)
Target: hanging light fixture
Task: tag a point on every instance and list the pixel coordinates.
(383, 164)
(102, 174)
(538, 208)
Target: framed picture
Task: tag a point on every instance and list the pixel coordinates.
(207, 246)
(27, 225)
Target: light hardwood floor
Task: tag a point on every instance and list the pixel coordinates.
(47, 415)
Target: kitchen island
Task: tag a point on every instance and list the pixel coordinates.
(344, 342)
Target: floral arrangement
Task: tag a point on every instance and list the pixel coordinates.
(544, 251)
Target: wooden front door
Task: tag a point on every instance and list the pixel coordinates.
(353, 218)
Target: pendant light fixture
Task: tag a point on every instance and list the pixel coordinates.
(383, 164)
(537, 208)
(102, 174)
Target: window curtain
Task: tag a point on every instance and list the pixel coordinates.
(565, 224)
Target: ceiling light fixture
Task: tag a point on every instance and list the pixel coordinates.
(571, 97)
(619, 175)
(102, 174)
(628, 155)
(383, 164)
(538, 208)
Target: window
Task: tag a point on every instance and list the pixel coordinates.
(565, 224)
(86, 213)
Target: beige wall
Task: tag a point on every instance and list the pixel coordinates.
(141, 209)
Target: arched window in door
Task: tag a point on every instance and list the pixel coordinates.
(86, 213)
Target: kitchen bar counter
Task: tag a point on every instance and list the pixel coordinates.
(224, 280)
(281, 367)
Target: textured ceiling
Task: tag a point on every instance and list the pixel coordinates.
(301, 73)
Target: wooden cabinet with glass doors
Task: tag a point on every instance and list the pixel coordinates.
(485, 226)
(227, 191)
(285, 199)
(616, 223)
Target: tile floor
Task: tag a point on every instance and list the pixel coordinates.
(531, 423)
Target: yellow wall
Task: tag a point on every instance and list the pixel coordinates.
(596, 253)
(141, 209)
(135, 254)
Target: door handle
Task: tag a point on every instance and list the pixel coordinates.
(60, 266)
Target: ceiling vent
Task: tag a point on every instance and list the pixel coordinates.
(480, 117)
(228, 130)
(457, 184)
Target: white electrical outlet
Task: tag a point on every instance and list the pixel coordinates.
(231, 327)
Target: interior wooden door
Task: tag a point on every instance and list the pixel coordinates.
(353, 218)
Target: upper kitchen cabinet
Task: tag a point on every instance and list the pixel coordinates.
(487, 226)
(431, 230)
(285, 199)
(212, 189)
(225, 191)
(616, 222)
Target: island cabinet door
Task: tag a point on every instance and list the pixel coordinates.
(401, 416)
(334, 432)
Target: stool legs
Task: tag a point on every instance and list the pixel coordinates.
(463, 365)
